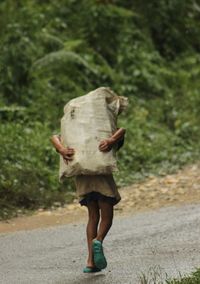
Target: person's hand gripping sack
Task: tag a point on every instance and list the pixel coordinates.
(66, 152)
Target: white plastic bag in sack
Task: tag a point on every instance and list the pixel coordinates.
(88, 120)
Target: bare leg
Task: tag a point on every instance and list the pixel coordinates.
(106, 219)
(93, 221)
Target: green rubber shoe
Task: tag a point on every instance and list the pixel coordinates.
(91, 269)
(99, 258)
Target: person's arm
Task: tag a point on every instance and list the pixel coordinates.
(67, 153)
(107, 144)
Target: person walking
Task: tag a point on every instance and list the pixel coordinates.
(99, 194)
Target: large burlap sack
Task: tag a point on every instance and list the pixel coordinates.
(88, 120)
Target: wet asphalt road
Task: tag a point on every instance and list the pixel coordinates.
(154, 243)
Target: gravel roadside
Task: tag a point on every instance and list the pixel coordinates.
(155, 192)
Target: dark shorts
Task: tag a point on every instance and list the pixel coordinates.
(95, 196)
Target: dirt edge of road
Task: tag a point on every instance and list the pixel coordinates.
(155, 192)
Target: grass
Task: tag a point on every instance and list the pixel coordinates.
(156, 275)
(153, 276)
(194, 278)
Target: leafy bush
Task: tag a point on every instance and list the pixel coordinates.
(29, 172)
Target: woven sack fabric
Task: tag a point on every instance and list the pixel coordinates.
(88, 120)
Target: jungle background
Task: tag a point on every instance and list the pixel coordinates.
(53, 51)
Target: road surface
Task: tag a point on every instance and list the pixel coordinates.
(154, 243)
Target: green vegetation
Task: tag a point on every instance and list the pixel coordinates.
(156, 275)
(52, 51)
(193, 279)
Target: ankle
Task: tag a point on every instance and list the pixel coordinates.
(100, 239)
(90, 263)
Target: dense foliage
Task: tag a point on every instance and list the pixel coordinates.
(52, 51)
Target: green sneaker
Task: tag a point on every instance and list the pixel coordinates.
(99, 258)
(91, 269)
